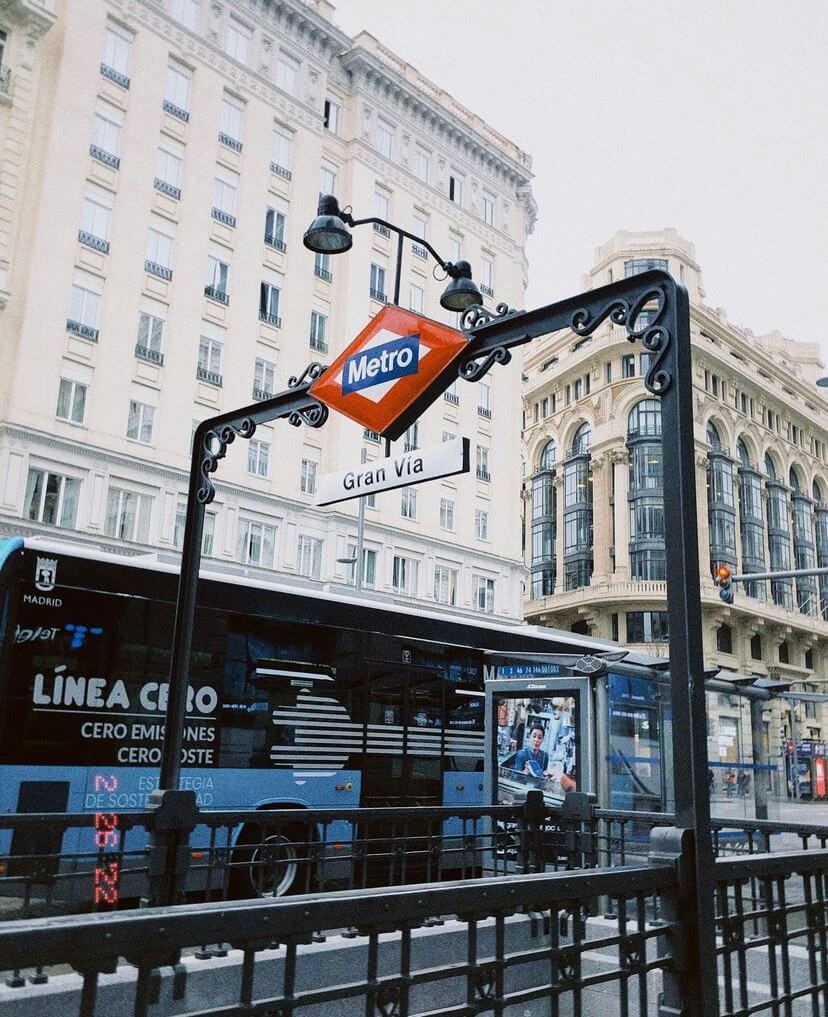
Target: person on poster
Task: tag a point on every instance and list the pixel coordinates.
(533, 759)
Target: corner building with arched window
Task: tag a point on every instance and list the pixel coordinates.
(594, 509)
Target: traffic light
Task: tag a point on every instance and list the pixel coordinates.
(725, 583)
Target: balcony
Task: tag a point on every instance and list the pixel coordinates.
(229, 142)
(151, 356)
(224, 217)
(158, 270)
(214, 293)
(90, 240)
(84, 331)
(452, 397)
(487, 291)
(116, 76)
(5, 81)
(260, 394)
(175, 111)
(371, 435)
(379, 296)
(168, 189)
(419, 251)
(280, 171)
(270, 319)
(275, 242)
(107, 158)
(483, 473)
(484, 411)
(209, 376)
(383, 231)
(322, 273)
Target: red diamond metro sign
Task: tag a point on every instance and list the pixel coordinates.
(391, 372)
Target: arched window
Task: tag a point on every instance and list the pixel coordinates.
(779, 535)
(544, 524)
(751, 521)
(724, 639)
(721, 505)
(646, 494)
(803, 545)
(821, 529)
(578, 511)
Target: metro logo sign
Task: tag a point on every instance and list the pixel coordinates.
(378, 364)
(391, 372)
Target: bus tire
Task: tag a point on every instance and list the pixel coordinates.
(270, 863)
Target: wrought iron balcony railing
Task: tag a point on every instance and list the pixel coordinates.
(175, 111)
(84, 331)
(275, 242)
(280, 171)
(224, 217)
(107, 158)
(116, 76)
(150, 355)
(168, 189)
(230, 142)
(158, 270)
(211, 377)
(270, 319)
(379, 296)
(322, 273)
(214, 293)
(96, 243)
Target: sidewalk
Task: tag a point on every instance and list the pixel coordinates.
(781, 810)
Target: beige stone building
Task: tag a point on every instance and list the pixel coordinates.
(160, 161)
(594, 518)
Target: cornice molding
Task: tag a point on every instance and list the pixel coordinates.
(374, 78)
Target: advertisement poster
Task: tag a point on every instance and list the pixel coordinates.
(536, 748)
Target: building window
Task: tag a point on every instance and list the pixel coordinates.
(269, 299)
(83, 312)
(322, 267)
(209, 360)
(385, 138)
(282, 153)
(646, 492)
(784, 656)
(756, 647)
(447, 513)
(230, 123)
(94, 228)
(455, 247)
(647, 627)
(608, 371)
(140, 422)
(378, 283)
(721, 503)
(309, 556)
(779, 535)
(159, 253)
(369, 566)
(274, 234)
(224, 198)
(484, 398)
(450, 395)
(415, 299)
(256, 543)
(128, 515)
(482, 463)
(422, 162)
(258, 457)
(751, 521)
(405, 575)
(410, 438)
(168, 167)
(71, 404)
(724, 639)
(318, 332)
(408, 503)
(577, 484)
(238, 41)
(488, 202)
(332, 116)
(456, 189)
(327, 180)
(484, 593)
(481, 524)
(106, 133)
(628, 366)
(544, 524)
(638, 265)
(185, 12)
(287, 71)
(382, 210)
(307, 480)
(51, 498)
(117, 44)
(264, 379)
(445, 585)
(419, 225)
(206, 534)
(486, 275)
(217, 273)
(177, 92)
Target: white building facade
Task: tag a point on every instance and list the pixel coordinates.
(162, 160)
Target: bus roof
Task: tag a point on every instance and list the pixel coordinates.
(156, 562)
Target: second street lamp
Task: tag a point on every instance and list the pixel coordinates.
(330, 233)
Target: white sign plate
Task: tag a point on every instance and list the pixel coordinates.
(398, 471)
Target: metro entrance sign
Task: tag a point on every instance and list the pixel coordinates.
(391, 372)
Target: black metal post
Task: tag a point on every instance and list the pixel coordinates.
(398, 269)
(212, 437)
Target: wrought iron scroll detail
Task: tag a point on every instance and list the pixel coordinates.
(654, 335)
(477, 314)
(213, 449)
(473, 370)
(314, 415)
(311, 373)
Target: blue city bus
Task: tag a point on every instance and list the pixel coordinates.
(297, 698)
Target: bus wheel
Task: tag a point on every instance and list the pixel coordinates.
(269, 864)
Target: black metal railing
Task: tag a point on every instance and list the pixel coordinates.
(322, 273)
(107, 158)
(452, 397)
(96, 243)
(270, 319)
(150, 355)
(230, 142)
(211, 377)
(175, 111)
(116, 76)
(84, 331)
(280, 171)
(168, 189)
(260, 394)
(383, 231)
(214, 293)
(161, 271)
(419, 251)
(378, 295)
(225, 218)
(277, 243)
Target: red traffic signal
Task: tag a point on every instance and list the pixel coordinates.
(724, 581)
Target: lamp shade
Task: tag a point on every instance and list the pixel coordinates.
(328, 234)
(461, 291)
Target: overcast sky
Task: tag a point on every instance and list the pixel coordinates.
(706, 115)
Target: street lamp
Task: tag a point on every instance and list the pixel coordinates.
(329, 233)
